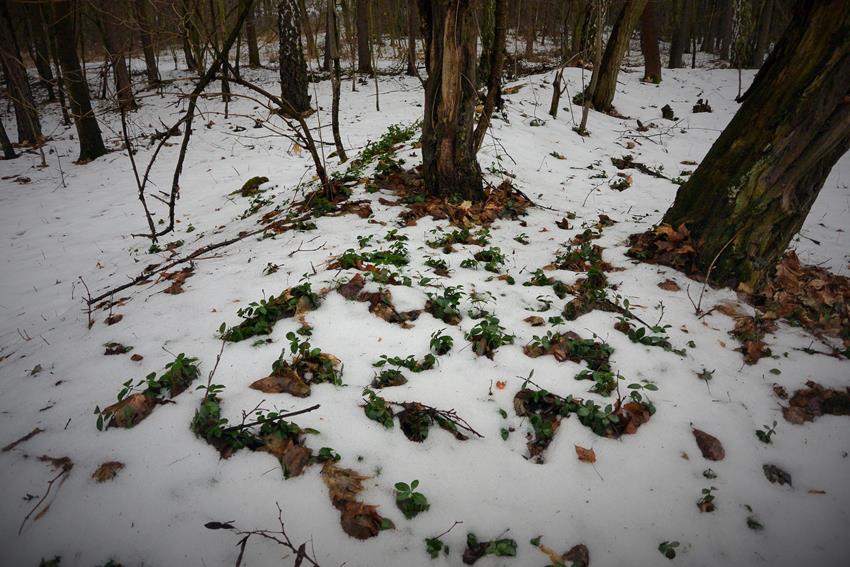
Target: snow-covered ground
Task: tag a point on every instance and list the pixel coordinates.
(74, 221)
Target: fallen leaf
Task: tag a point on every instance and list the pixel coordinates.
(136, 357)
(114, 318)
(578, 555)
(535, 321)
(107, 471)
(669, 285)
(500, 384)
(710, 446)
(585, 455)
(776, 475)
(343, 484)
(361, 521)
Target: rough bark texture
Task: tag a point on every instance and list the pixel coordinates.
(755, 187)
(494, 67)
(649, 44)
(41, 51)
(606, 85)
(88, 131)
(143, 23)
(26, 113)
(726, 29)
(251, 40)
(364, 58)
(448, 150)
(109, 24)
(293, 67)
(679, 40)
(6, 144)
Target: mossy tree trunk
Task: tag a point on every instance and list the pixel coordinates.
(753, 190)
(606, 84)
(293, 66)
(649, 44)
(64, 30)
(450, 31)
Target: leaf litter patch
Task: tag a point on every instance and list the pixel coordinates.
(380, 302)
(307, 366)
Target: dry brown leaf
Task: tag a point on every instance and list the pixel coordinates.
(535, 321)
(131, 410)
(709, 445)
(343, 484)
(669, 285)
(585, 455)
(361, 521)
(107, 471)
(293, 457)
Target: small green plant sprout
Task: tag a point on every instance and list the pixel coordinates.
(440, 343)
(307, 366)
(522, 238)
(408, 362)
(469, 264)
(445, 307)
(326, 454)
(597, 418)
(364, 241)
(439, 265)
(539, 278)
(545, 303)
(377, 409)
(478, 301)
(668, 548)
(766, 433)
(706, 501)
(487, 336)
(388, 377)
(434, 546)
(636, 396)
(396, 255)
(475, 550)
(393, 236)
(259, 317)
(492, 258)
(389, 277)
(410, 502)
(604, 381)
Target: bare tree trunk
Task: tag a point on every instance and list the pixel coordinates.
(448, 151)
(144, 25)
(26, 113)
(8, 150)
(726, 29)
(185, 26)
(364, 56)
(312, 50)
(494, 65)
(333, 42)
(763, 38)
(528, 10)
(598, 11)
(88, 131)
(412, 20)
(649, 44)
(606, 83)
(108, 22)
(681, 24)
(753, 190)
(251, 40)
(293, 66)
(41, 54)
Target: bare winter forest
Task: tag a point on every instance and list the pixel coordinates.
(424, 282)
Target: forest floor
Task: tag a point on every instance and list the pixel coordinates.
(66, 224)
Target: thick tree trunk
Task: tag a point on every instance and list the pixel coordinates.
(364, 57)
(726, 29)
(251, 40)
(606, 85)
(763, 38)
(6, 144)
(681, 24)
(143, 23)
(293, 67)
(649, 44)
(412, 19)
(26, 112)
(88, 131)
(450, 31)
(753, 190)
(109, 22)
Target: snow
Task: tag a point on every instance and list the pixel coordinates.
(75, 221)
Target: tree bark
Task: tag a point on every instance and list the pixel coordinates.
(143, 23)
(679, 41)
(494, 65)
(312, 51)
(109, 21)
(185, 36)
(412, 19)
(64, 30)
(6, 144)
(450, 31)
(606, 85)
(26, 112)
(293, 66)
(726, 29)
(333, 47)
(364, 58)
(753, 190)
(41, 51)
(251, 40)
(763, 37)
(649, 44)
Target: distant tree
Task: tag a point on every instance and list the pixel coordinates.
(140, 12)
(364, 54)
(26, 112)
(681, 25)
(752, 192)
(40, 49)
(63, 28)
(332, 40)
(110, 23)
(293, 66)
(412, 26)
(606, 85)
(251, 40)
(649, 44)
(6, 144)
(762, 39)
